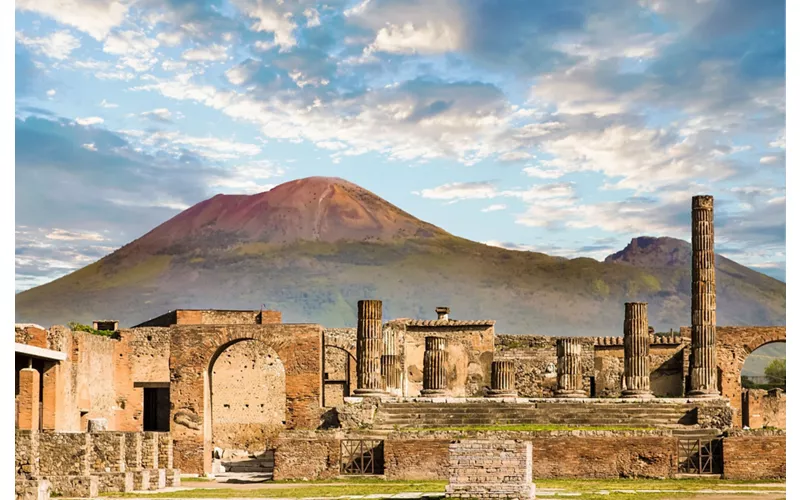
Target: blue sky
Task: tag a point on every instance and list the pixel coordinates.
(564, 127)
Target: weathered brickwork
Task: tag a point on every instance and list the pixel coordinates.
(310, 455)
(107, 452)
(416, 459)
(764, 408)
(192, 350)
(26, 454)
(64, 454)
(214, 317)
(490, 469)
(751, 457)
(32, 489)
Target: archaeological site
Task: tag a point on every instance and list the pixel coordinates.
(216, 392)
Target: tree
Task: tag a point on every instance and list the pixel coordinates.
(776, 372)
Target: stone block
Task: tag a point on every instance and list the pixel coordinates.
(158, 479)
(97, 425)
(32, 489)
(173, 478)
(141, 479)
(120, 482)
(74, 486)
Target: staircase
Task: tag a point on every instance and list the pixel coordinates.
(413, 414)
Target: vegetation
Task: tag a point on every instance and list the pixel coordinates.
(776, 372)
(78, 327)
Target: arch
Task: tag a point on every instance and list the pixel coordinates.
(247, 396)
(194, 348)
(339, 370)
(733, 345)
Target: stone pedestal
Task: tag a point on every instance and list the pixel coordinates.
(637, 351)
(703, 359)
(434, 368)
(503, 380)
(369, 348)
(568, 369)
(97, 425)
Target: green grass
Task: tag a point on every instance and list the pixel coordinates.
(593, 485)
(528, 428)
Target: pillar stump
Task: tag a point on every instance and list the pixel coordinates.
(703, 359)
(369, 348)
(390, 361)
(568, 369)
(503, 380)
(637, 351)
(434, 369)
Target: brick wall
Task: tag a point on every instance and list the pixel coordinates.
(490, 469)
(764, 409)
(107, 452)
(307, 456)
(753, 456)
(416, 458)
(64, 454)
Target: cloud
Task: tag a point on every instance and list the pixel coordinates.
(89, 146)
(429, 38)
(134, 48)
(161, 115)
(92, 120)
(57, 45)
(271, 19)
(106, 104)
(460, 191)
(312, 17)
(63, 234)
(94, 17)
(210, 53)
(494, 208)
(51, 93)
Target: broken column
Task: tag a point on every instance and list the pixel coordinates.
(637, 351)
(568, 369)
(390, 361)
(703, 360)
(503, 383)
(434, 369)
(369, 348)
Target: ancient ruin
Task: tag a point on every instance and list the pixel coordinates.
(213, 392)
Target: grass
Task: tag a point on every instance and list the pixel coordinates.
(528, 428)
(688, 485)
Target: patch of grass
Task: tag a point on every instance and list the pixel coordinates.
(78, 327)
(594, 485)
(528, 428)
(313, 490)
(197, 480)
(146, 271)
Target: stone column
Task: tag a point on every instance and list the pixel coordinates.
(369, 348)
(568, 369)
(28, 400)
(637, 351)
(503, 383)
(390, 361)
(703, 369)
(434, 369)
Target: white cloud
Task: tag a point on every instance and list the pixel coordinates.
(769, 160)
(173, 65)
(92, 120)
(494, 208)
(160, 114)
(95, 17)
(460, 191)
(312, 17)
(428, 38)
(543, 173)
(114, 75)
(106, 104)
(211, 53)
(170, 38)
(134, 48)
(90, 146)
(209, 147)
(57, 45)
(51, 93)
(513, 156)
(63, 234)
(269, 19)
(248, 178)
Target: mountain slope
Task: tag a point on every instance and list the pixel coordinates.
(313, 247)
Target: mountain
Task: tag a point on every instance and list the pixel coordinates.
(313, 247)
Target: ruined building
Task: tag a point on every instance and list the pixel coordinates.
(209, 388)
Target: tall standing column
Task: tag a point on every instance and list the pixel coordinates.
(703, 361)
(568, 369)
(434, 369)
(503, 380)
(369, 348)
(390, 361)
(637, 351)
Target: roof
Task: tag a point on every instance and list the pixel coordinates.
(39, 352)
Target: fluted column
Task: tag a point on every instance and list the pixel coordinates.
(703, 361)
(434, 369)
(369, 348)
(503, 380)
(568, 369)
(637, 351)
(390, 361)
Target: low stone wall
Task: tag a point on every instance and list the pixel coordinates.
(307, 455)
(32, 489)
(490, 469)
(754, 455)
(415, 458)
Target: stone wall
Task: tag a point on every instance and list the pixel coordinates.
(64, 453)
(26, 454)
(340, 346)
(490, 469)
(214, 317)
(764, 408)
(248, 397)
(416, 459)
(307, 455)
(666, 370)
(754, 456)
(535, 360)
(107, 452)
(470, 350)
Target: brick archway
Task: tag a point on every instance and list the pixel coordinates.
(193, 348)
(734, 344)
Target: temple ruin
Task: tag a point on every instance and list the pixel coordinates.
(206, 391)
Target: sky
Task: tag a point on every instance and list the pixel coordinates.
(565, 127)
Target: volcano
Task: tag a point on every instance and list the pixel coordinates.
(313, 247)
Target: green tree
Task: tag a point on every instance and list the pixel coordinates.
(776, 372)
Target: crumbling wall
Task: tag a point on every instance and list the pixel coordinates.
(416, 459)
(339, 373)
(307, 455)
(470, 350)
(248, 396)
(764, 408)
(754, 455)
(535, 360)
(666, 369)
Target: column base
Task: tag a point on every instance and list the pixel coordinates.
(370, 393)
(570, 394)
(501, 394)
(433, 393)
(703, 394)
(628, 394)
